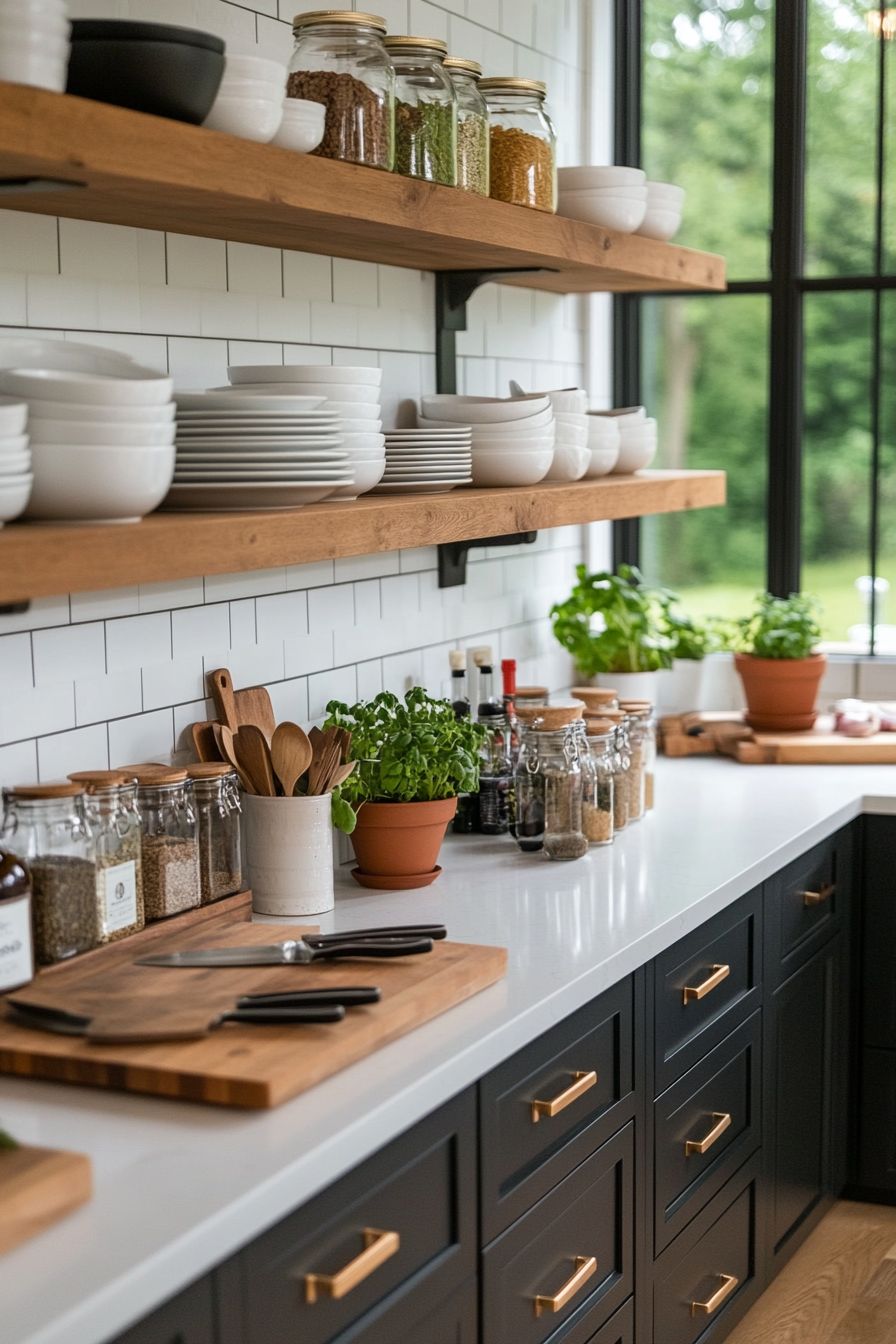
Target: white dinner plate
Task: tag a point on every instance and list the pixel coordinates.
(272, 474)
(230, 461)
(197, 420)
(238, 496)
(245, 401)
(417, 487)
(248, 441)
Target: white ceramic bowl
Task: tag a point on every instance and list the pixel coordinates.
(621, 214)
(353, 375)
(483, 410)
(13, 416)
(603, 460)
(531, 424)
(665, 196)
(659, 224)
(99, 433)
(633, 456)
(13, 443)
(576, 436)
(41, 352)
(570, 463)
(578, 179)
(352, 443)
(234, 87)
(351, 425)
(511, 469)
(15, 464)
(255, 67)
(569, 400)
(569, 417)
(19, 65)
(14, 495)
(141, 387)
(249, 118)
(624, 415)
(487, 444)
(355, 410)
(40, 409)
(516, 430)
(301, 130)
(366, 474)
(79, 484)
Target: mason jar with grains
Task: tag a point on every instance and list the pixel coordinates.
(598, 781)
(217, 794)
(425, 110)
(472, 125)
(45, 825)
(170, 846)
(340, 61)
(522, 143)
(109, 804)
(621, 766)
(642, 734)
(548, 783)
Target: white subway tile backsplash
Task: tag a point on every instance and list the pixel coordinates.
(31, 713)
(314, 575)
(400, 598)
(110, 697)
(226, 587)
(173, 682)
(68, 653)
(18, 763)
(331, 608)
(355, 282)
(254, 664)
(13, 298)
(309, 277)
(340, 684)
(243, 626)
(59, 754)
(290, 700)
(367, 603)
(101, 606)
(254, 270)
(351, 567)
(54, 301)
(281, 617)
(369, 679)
(145, 737)
(196, 263)
(196, 631)
(91, 251)
(16, 668)
(29, 243)
(136, 641)
(307, 653)
(173, 593)
(43, 611)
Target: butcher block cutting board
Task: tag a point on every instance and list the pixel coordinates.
(38, 1186)
(233, 1065)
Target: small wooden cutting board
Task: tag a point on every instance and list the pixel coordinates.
(38, 1187)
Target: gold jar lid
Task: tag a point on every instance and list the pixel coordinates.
(63, 790)
(353, 17)
(152, 775)
(462, 66)
(400, 44)
(513, 84)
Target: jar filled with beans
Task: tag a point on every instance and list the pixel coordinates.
(340, 61)
(170, 845)
(522, 143)
(472, 126)
(425, 110)
(109, 803)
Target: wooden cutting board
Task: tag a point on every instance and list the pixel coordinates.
(38, 1186)
(234, 1065)
(817, 748)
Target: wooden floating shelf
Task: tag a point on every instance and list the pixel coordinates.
(41, 560)
(152, 173)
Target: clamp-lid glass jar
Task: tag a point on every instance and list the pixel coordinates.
(522, 143)
(642, 735)
(425, 110)
(45, 825)
(548, 783)
(16, 939)
(472, 125)
(170, 847)
(217, 794)
(621, 766)
(109, 804)
(340, 61)
(526, 696)
(598, 781)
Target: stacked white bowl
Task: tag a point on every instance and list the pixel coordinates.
(571, 455)
(613, 197)
(250, 100)
(637, 438)
(662, 219)
(15, 459)
(102, 444)
(352, 392)
(603, 444)
(302, 127)
(513, 438)
(34, 43)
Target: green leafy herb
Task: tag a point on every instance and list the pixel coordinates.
(614, 623)
(688, 639)
(782, 627)
(342, 814)
(7, 1142)
(410, 752)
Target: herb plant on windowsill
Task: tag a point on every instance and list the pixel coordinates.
(612, 625)
(779, 669)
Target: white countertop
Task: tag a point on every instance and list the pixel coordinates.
(179, 1187)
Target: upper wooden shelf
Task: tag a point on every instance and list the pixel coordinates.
(42, 560)
(157, 174)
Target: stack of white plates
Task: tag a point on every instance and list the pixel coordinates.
(34, 43)
(240, 450)
(513, 438)
(613, 197)
(15, 459)
(637, 438)
(426, 461)
(352, 393)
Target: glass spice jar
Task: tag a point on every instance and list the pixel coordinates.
(548, 783)
(109, 805)
(340, 61)
(44, 825)
(425, 110)
(16, 939)
(621, 765)
(522, 143)
(643, 737)
(528, 789)
(635, 736)
(217, 794)
(472, 125)
(170, 846)
(598, 782)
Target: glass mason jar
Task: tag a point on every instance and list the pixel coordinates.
(548, 792)
(598, 781)
(522, 143)
(472, 126)
(525, 697)
(621, 764)
(643, 736)
(340, 61)
(170, 848)
(45, 825)
(425, 110)
(635, 737)
(217, 794)
(109, 805)
(495, 776)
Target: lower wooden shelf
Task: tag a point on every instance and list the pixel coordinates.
(42, 560)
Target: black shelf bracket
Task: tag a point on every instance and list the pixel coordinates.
(453, 555)
(15, 608)
(453, 290)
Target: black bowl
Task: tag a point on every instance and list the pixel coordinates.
(149, 67)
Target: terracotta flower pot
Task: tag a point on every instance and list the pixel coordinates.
(401, 839)
(781, 692)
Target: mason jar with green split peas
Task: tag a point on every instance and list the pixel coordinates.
(425, 110)
(472, 126)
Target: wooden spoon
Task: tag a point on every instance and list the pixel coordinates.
(291, 754)
(204, 742)
(254, 756)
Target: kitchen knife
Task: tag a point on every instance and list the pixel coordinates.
(434, 931)
(350, 996)
(40, 1017)
(294, 952)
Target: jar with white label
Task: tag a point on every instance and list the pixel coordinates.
(16, 943)
(110, 811)
(217, 794)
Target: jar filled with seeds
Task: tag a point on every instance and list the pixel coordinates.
(635, 729)
(340, 61)
(621, 765)
(598, 773)
(109, 805)
(170, 847)
(425, 110)
(472, 125)
(45, 826)
(217, 794)
(644, 733)
(522, 143)
(548, 783)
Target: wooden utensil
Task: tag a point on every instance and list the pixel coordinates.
(254, 756)
(220, 688)
(224, 743)
(253, 705)
(291, 755)
(204, 741)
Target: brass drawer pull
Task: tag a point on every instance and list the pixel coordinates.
(719, 973)
(720, 1124)
(816, 897)
(586, 1267)
(378, 1248)
(729, 1283)
(583, 1081)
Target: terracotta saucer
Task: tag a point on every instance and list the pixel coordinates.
(405, 883)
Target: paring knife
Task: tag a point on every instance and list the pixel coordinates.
(293, 952)
(40, 1017)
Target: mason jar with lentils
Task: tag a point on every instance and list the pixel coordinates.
(340, 61)
(523, 169)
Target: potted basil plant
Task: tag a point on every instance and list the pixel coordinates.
(689, 643)
(414, 758)
(778, 665)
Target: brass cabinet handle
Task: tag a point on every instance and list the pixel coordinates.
(720, 1124)
(586, 1267)
(378, 1248)
(582, 1082)
(816, 897)
(728, 1285)
(719, 973)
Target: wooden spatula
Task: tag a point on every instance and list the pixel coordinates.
(291, 754)
(224, 741)
(204, 742)
(254, 756)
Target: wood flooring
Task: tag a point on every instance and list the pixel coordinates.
(839, 1288)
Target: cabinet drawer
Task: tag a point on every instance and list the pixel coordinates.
(804, 903)
(719, 1096)
(705, 985)
(619, 1330)
(525, 1152)
(186, 1319)
(454, 1322)
(587, 1217)
(413, 1206)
